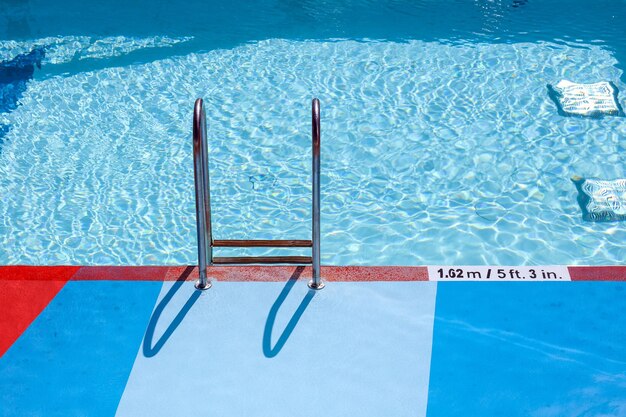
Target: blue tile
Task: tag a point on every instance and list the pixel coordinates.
(76, 357)
(527, 349)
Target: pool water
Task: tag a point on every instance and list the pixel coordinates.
(440, 144)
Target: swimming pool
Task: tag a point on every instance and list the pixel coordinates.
(439, 142)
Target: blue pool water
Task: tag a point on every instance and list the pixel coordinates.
(439, 141)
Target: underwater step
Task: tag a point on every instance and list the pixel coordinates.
(590, 100)
(601, 200)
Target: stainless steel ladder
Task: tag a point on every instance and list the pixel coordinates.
(203, 211)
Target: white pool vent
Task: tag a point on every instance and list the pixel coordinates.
(601, 200)
(589, 100)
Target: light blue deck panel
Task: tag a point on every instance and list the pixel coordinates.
(276, 349)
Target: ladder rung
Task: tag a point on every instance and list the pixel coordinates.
(301, 260)
(262, 243)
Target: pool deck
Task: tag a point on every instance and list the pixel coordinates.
(376, 341)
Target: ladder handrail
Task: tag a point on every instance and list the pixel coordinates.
(203, 194)
(316, 282)
(203, 209)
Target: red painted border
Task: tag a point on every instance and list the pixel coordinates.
(597, 273)
(37, 273)
(255, 273)
(24, 293)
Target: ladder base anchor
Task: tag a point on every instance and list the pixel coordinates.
(201, 287)
(314, 286)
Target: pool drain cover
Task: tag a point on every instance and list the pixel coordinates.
(591, 100)
(601, 200)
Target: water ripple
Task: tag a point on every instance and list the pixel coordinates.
(432, 153)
